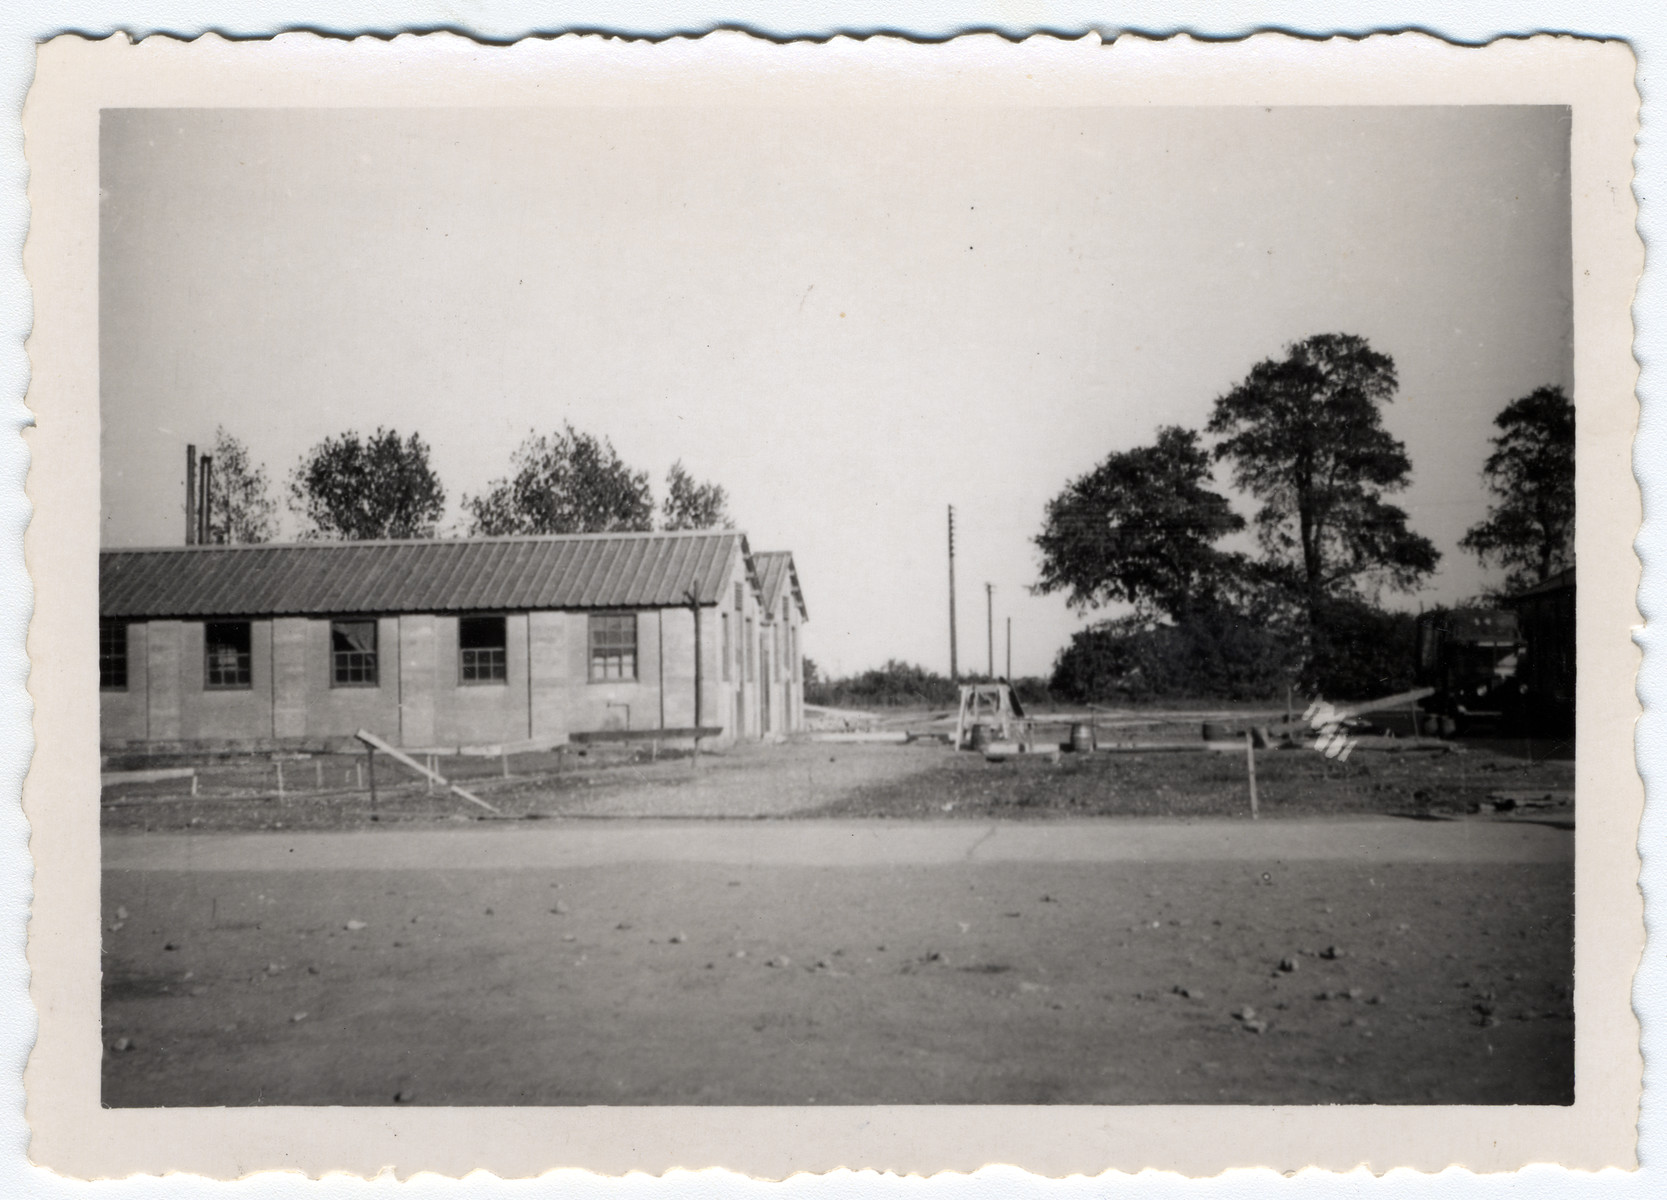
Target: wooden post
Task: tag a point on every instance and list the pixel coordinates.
(318, 773)
(358, 775)
(1250, 769)
(370, 774)
(279, 764)
(193, 783)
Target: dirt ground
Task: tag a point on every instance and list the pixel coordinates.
(296, 949)
(1190, 967)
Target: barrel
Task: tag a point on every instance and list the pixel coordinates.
(1082, 737)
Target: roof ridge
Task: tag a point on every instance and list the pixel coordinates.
(344, 543)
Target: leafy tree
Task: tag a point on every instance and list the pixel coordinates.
(691, 505)
(1140, 528)
(1530, 526)
(1305, 437)
(241, 509)
(568, 482)
(378, 487)
(1220, 652)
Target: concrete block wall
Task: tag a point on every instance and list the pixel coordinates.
(221, 714)
(420, 698)
(124, 716)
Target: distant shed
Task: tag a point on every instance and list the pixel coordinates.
(433, 642)
(1546, 621)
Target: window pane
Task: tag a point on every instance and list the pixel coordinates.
(482, 654)
(112, 655)
(226, 654)
(613, 646)
(353, 653)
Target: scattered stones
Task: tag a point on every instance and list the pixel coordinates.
(780, 960)
(560, 909)
(404, 1096)
(1353, 993)
(298, 1018)
(1244, 1014)
(311, 970)
(355, 925)
(273, 968)
(1187, 993)
(121, 913)
(1287, 965)
(1331, 952)
(738, 954)
(122, 1045)
(569, 937)
(489, 912)
(676, 939)
(170, 945)
(1256, 1026)
(623, 925)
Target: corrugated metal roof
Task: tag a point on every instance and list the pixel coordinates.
(648, 570)
(775, 568)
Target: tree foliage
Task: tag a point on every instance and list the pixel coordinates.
(1217, 653)
(241, 508)
(566, 482)
(1529, 528)
(1140, 529)
(360, 489)
(1305, 437)
(693, 505)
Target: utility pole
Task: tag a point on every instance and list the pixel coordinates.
(1009, 649)
(990, 625)
(954, 664)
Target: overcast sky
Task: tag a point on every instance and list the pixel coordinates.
(850, 320)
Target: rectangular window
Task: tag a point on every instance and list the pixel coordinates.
(724, 657)
(226, 654)
(613, 646)
(112, 656)
(353, 653)
(482, 650)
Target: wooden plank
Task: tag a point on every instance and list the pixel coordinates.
(592, 736)
(376, 743)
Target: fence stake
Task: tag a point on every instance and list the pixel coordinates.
(318, 771)
(280, 767)
(1250, 768)
(370, 773)
(193, 783)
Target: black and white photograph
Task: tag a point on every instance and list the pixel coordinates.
(650, 607)
(837, 607)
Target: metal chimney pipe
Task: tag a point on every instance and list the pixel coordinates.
(206, 500)
(190, 495)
